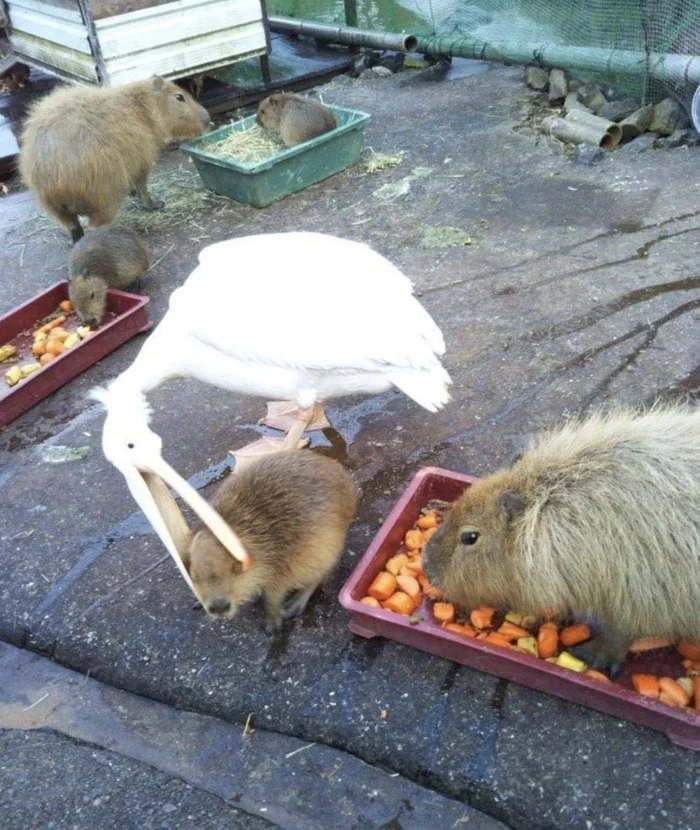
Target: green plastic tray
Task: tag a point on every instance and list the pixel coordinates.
(264, 182)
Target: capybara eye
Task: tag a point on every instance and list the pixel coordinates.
(130, 446)
(179, 96)
(469, 537)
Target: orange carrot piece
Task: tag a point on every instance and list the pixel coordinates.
(548, 640)
(689, 650)
(649, 643)
(57, 321)
(512, 632)
(646, 684)
(397, 562)
(373, 601)
(66, 305)
(429, 520)
(672, 693)
(383, 586)
(464, 630)
(46, 358)
(444, 612)
(409, 585)
(598, 675)
(427, 534)
(39, 348)
(572, 635)
(482, 617)
(54, 347)
(413, 566)
(497, 640)
(696, 693)
(400, 603)
(413, 540)
(429, 590)
(691, 667)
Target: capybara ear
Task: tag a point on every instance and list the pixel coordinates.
(512, 502)
(158, 83)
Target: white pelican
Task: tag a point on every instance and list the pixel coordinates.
(302, 317)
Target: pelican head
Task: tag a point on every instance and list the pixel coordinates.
(135, 450)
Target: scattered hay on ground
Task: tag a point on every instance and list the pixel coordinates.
(382, 161)
(446, 238)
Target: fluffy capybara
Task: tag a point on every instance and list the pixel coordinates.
(107, 257)
(83, 150)
(599, 519)
(294, 117)
(291, 511)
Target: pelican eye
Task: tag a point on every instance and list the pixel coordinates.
(469, 537)
(130, 446)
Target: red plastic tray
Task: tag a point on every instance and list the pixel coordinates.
(125, 317)
(682, 727)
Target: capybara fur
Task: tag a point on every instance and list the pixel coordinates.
(291, 511)
(107, 257)
(295, 117)
(83, 150)
(599, 519)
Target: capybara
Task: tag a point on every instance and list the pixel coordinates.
(291, 511)
(83, 150)
(107, 257)
(599, 519)
(294, 117)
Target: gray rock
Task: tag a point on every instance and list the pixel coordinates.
(558, 86)
(586, 154)
(681, 138)
(381, 71)
(637, 123)
(537, 78)
(591, 97)
(618, 110)
(572, 102)
(668, 117)
(639, 145)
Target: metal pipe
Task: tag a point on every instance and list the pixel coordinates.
(659, 66)
(345, 35)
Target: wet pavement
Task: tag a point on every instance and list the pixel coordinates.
(582, 288)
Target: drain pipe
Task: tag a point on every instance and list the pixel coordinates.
(345, 35)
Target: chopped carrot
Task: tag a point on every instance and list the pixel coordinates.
(400, 603)
(57, 321)
(696, 693)
(512, 632)
(444, 612)
(572, 635)
(482, 617)
(383, 586)
(649, 643)
(46, 358)
(413, 566)
(497, 640)
(427, 534)
(691, 667)
(672, 693)
(429, 590)
(397, 562)
(39, 348)
(54, 347)
(371, 601)
(59, 333)
(689, 650)
(409, 585)
(598, 675)
(464, 630)
(413, 540)
(66, 305)
(428, 521)
(646, 684)
(548, 640)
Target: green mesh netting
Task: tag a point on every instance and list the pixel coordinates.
(647, 28)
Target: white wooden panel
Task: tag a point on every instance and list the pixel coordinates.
(166, 25)
(72, 14)
(65, 62)
(44, 26)
(245, 10)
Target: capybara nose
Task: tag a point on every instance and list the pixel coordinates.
(204, 117)
(219, 605)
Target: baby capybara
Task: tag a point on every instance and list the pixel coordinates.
(107, 257)
(83, 150)
(291, 511)
(294, 117)
(599, 519)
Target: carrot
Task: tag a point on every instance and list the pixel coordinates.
(428, 533)
(57, 321)
(598, 675)
(464, 630)
(371, 601)
(497, 640)
(691, 667)
(413, 566)
(649, 643)
(413, 540)
(512, 632)
(397, 562)
(66, 305)
(444, 612)
(548, 640)
(672, 693)
(383, 586)
(399, 603)
(428, 521)
(409, 585)
(696, 693)
(646, 684)
(482, 617)
(572, 635)
(689, 650)
(429, 590)
(46, 358)
(54, 347)
(39, 348)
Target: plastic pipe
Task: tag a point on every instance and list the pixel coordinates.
(345, 35)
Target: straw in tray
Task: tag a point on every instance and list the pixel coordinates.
(251, 145)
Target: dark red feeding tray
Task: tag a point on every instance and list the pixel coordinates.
(125, 317)
(681, 726)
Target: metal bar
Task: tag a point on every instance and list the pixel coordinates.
(399, 42)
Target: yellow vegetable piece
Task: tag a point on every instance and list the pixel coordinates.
(13, 375)
(528, 644)
(7, 351)
(514, 617)
(28, 368)
(72, 340)
(567, 661)
(83, 331)
(686, 683)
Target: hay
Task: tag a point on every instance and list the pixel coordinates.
(249, 146)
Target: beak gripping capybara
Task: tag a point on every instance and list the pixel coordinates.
(295, 117)
(291, 511)
(599, 519)
(83, 150)
(107, 257)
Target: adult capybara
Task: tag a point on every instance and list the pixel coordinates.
(107, 257)
(83, 149)
(599, 519)
(291, 511)
(294, 117)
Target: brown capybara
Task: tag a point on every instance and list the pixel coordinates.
(107, 257)
(294, 117)
(291, 511)
(599, 519)
(83, 150)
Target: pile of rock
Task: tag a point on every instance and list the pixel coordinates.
(590, 116)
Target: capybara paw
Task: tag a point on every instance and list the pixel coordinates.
(271, 625)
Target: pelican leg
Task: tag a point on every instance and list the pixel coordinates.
(284, 414)
(299, 427)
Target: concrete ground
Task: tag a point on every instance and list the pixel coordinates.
(582, 288)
